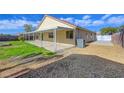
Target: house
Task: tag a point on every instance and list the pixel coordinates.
(58, 33)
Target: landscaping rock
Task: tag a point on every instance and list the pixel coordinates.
(79, 66)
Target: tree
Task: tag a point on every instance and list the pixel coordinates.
(28, 28)
(108, 30)
(122, 26)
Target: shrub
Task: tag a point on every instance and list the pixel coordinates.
(21, 38)
(108, 30)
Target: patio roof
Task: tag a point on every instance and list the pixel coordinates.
(49, 30)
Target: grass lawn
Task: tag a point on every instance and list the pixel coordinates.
(22, 49)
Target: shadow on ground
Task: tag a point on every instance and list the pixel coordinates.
(79, 66)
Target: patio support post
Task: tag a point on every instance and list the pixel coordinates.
(55, 45)
(33, 37)
(40, 38)
(28, 37)
(23, 36)
(74, 34)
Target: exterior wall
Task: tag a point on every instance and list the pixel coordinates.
(60, 37)
(87, 36)
(49, 23)
(46, 37)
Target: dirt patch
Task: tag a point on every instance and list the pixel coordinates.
(114, 53)
(14, 69)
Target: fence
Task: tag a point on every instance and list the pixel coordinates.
(118, 39)
(103, 37)
(8, 38)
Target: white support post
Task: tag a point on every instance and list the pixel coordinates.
(24, 36)
(41, 39)
(33, 36)
(28, 36)
(74, 36)
(55, 45)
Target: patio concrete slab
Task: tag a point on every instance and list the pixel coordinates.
(51, 45)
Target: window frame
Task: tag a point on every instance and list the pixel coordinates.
(69, 35)
(50, 35)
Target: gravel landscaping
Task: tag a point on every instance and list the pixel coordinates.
(79, 66)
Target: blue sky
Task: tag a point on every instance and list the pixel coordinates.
(13, 23)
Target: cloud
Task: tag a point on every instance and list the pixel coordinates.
(116, 20)
(97, 22)
(104, 20)
(106, 16)
(69, 19)
(86, 17)
(14, 24)
(83, 22)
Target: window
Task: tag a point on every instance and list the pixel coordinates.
(91, 35)
(87, 35)
(51, 35)
(69, 34)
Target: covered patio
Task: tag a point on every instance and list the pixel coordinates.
(37, 38)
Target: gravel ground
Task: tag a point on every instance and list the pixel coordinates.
(79, 66)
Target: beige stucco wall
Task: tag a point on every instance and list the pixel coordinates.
(87, 36)
(60, 37)
(49, 23)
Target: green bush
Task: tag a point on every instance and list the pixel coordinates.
(21, 38)
(108, 30)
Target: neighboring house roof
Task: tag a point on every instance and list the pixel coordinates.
(65, 22)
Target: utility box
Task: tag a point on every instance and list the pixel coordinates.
(80, 43)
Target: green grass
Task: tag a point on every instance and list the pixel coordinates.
(22, 49)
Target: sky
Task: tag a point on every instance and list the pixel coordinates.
(14, 23)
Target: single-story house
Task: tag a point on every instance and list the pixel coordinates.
(59, 31)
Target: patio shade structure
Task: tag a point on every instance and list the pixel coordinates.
(38, 33)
